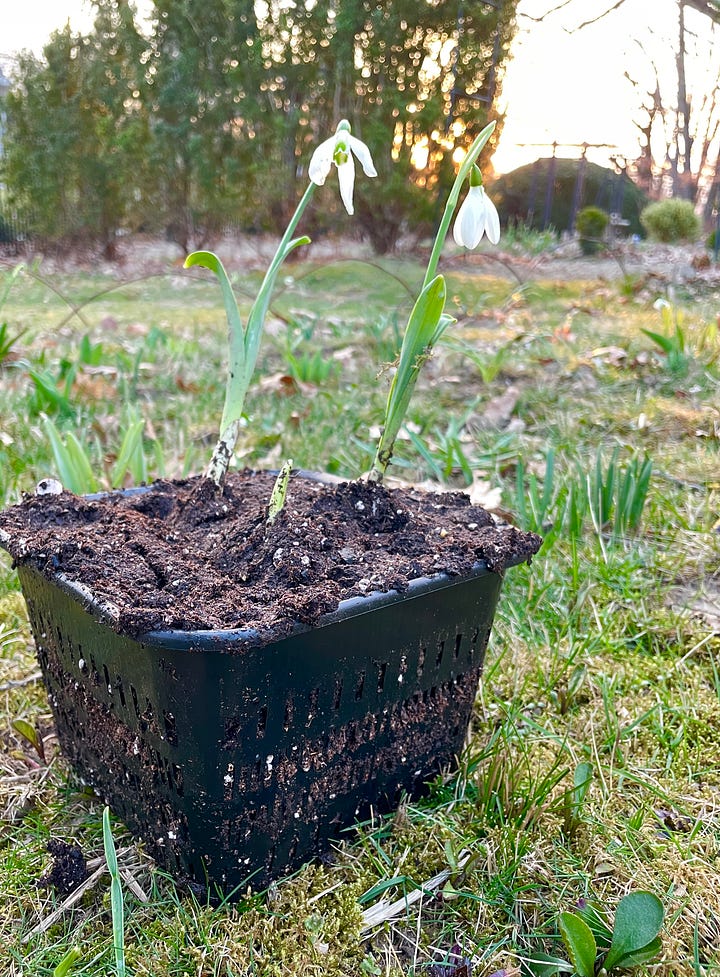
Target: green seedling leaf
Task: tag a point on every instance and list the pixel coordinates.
(48, 393)
(81, 465)
(580, 942)
(68, 962)
(31, 735)
(581, 784)
(71, 460)
(638, 921)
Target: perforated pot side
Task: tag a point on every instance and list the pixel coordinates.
(236, 761)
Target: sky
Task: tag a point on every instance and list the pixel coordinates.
(559, 86)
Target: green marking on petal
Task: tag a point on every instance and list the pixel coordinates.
(341, 153)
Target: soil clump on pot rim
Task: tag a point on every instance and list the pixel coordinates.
(180, 555)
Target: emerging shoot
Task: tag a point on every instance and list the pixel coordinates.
(279, 492)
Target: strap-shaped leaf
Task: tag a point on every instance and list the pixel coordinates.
(72, 462)
(425, 325)
(665, 344)
(580, 942)
(638, 921)
(128, 448)
(422, 325)
(237, 382)
(279, 492)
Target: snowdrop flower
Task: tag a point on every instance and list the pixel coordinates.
(337, 150)
(477, 215)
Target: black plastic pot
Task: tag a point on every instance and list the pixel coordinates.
(235, 761)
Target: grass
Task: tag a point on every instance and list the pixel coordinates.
(605, 652)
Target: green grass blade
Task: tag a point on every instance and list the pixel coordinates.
(116, 896)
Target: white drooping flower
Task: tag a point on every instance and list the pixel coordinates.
(477, 216)
(338, 149)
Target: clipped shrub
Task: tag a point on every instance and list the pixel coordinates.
(591, 224)
(521, 195)
(671, 220)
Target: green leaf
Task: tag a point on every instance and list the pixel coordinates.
(426, 322)
(638, 920)
(544, 965)
(71, 460)
(68, 962)
(29, 733)
(46, 387)
(642, 956)
(581, 784)
(237, 382)
(665, 344)
(81, 465)
(117, 908)
(128, 449)
(279, 492)
(580, 942)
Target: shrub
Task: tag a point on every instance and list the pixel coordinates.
(671, 220)
(521, 194)
(711, 239)
(591, 223)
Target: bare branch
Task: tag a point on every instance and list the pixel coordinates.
(710, 8)
(587, 23)
(549, 13)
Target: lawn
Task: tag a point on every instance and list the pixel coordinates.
(592, 767)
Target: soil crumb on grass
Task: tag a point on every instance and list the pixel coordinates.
(69, 868)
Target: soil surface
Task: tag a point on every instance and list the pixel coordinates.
(181, 555)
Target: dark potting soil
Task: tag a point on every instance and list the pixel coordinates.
(69, 868)
(181, 555)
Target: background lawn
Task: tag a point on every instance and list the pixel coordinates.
(592, 768)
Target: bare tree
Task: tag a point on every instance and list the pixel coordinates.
(685, 124)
